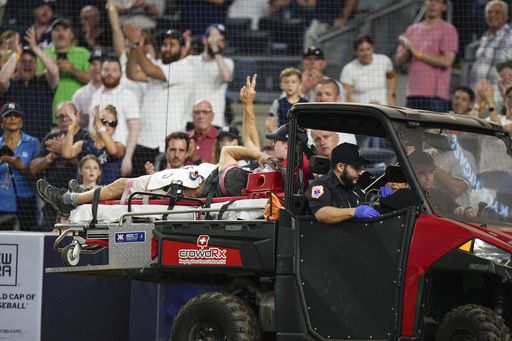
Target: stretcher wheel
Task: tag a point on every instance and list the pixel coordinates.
(67, 256)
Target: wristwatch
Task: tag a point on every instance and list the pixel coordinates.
(102, 129)
(76, 73)
(134, 46)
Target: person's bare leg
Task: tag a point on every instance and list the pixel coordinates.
(114, 191)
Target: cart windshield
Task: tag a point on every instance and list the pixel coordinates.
(465, 175)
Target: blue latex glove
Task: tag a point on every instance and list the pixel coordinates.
(385, 192)
(365, 211)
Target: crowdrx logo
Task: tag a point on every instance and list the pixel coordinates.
(203, 255)
(8, 264)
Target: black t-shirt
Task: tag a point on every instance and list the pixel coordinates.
(328, 191)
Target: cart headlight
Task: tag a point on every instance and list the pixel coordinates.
(491, 252)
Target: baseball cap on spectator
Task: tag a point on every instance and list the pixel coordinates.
(62, 22)
(38, 3)
(313, 51)
(281, 134)
(394, 174)
(174, 34)
(348, 153)
(27, 49)
(220, 27)
(98, 54)
(229, 131)
(9, 107)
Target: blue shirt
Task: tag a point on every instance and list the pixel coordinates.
(282, 110)
(26, 150)
(110, 165)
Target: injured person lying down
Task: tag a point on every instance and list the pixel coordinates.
(196, 181)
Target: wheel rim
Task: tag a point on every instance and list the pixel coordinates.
(463, 335)
(206, 330)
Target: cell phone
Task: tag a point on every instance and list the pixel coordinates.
(4, 150)
(62, 55)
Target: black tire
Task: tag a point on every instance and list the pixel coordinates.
(472, 322)
(216, 316)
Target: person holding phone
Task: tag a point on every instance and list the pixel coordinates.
(17, 190)
(72, 61)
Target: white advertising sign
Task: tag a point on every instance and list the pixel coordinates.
(21, 285)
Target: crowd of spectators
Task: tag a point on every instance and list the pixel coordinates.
(114, 78)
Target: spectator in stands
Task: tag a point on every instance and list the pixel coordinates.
(328, 90)
(313, 63)
(28, 86)
(89, 170)
(43, 14)
(253, 9)
(204, 134)
(327, 14)
(113, 93)
(94, 35)
(462, 101)
(430, 47)
(226, 136)
(109, 152)
(8, 45)
(212, 71)
(291, 79)
(82, 98)
(495, 45)
(485, 93)
(169, 92)
(370, 77)
(141, 13)
(176, 152)
(17, 193)
(71, 60)
(48, 162)
(325, 141)
(504, 82)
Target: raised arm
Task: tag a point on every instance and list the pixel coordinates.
(113, 148)
(117, 32)
(52, 70)
(71, 150)
(9, 67)
(250, 128)
(138, 56)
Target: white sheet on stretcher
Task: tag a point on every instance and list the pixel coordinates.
(111, 213)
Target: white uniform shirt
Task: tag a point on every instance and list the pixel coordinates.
(208, 85)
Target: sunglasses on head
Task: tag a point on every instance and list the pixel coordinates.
(113, 124)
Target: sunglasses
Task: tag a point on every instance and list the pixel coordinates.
(112, 124)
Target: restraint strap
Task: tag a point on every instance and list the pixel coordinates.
(124, 197)
(94, 207)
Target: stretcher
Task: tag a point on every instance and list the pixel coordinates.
(126, 228)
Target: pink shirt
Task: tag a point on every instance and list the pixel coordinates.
(426, 80)
(204, 148)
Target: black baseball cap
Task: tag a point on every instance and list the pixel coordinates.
(220, 27)
(313, 51)
(348, 153)
(98, 54)
(281, 134)
(38, 3)
(61, 21)
(229, 131)
(10, 107)
(174, 34)
(394, 174)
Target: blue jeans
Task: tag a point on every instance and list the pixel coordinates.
(427, 103)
